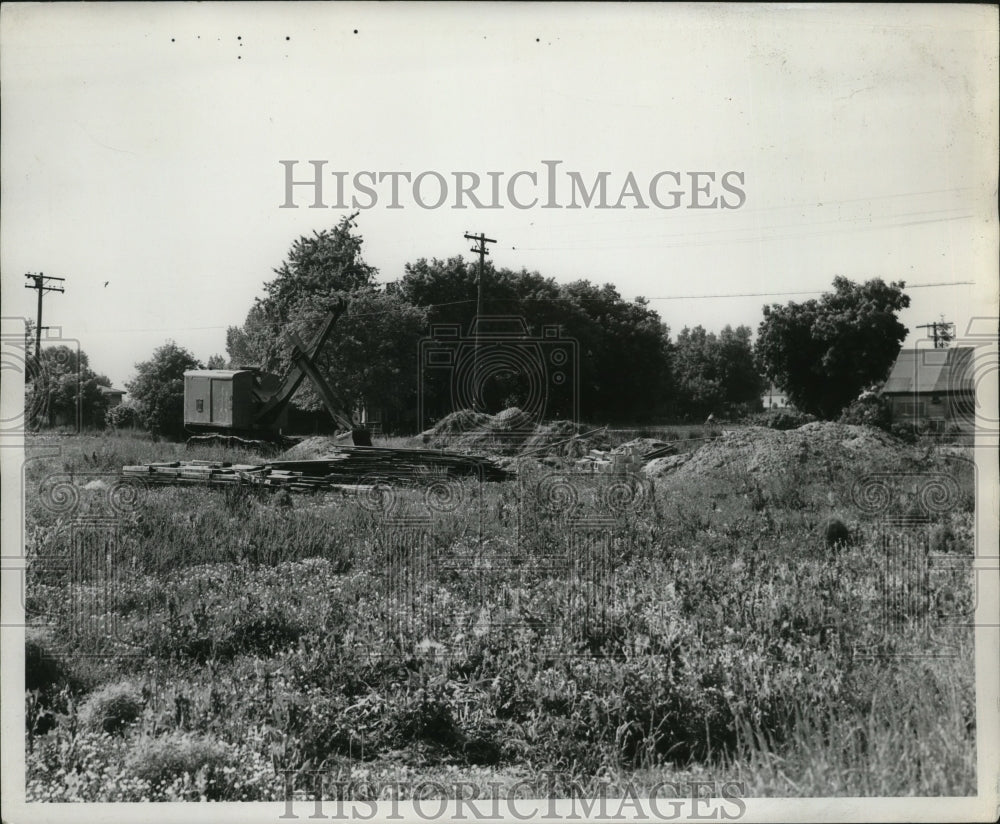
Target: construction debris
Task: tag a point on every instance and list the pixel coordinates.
(356, 468)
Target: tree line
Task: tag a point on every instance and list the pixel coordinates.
(628, 367)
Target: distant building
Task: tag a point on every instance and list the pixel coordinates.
(774, 398)
(932, 388)
(113, 396)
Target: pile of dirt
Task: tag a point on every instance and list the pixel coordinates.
(645, 448)
(830, 447)
(563, 439)
(511, 432)
(318, 446)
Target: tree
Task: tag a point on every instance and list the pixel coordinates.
(370, 359)
(824, 352)
(123, 416)
(741, 379)
(697, 368)
(216, 362)
(60, 384)
(622, 347)
(158, 389)
(715, 373)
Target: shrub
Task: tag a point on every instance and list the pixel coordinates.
(125, 415)
(42, 670)
(868, 410)
(161, 760)
(835, 533)
(112, 708)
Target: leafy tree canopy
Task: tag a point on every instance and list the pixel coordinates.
(824, 352)
(370, 358)
(59, 380)
(158, 389)
(716, 373)
(622, 347)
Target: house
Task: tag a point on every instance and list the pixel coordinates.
(774, 398)
(933, 388)
(112, 395)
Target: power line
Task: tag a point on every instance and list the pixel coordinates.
(657, 241)
(805, 292)
(942, 331)
(544, 300)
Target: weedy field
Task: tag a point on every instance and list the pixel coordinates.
(777, 624)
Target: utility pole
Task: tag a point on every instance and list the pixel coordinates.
(942, 332)
(482, 251)
(41, 284)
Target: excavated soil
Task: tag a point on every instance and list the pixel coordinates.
(511, 432)
(831, 447)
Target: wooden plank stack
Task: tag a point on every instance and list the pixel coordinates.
(347, 468)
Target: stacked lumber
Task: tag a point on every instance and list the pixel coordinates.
(348, 468)
(396, 464)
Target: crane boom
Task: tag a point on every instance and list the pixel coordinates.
(301, 362)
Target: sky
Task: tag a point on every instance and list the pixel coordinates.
(142, 148)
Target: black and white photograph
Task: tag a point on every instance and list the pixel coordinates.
(499, 411)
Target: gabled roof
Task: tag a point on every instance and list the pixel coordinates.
(934, 371)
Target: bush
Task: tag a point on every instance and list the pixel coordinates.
(835, 533)
(112, 708)
(125, 415)
(42, 670)
(868, 410)
(786, 418)
(158, 388)
(161, 760)
(906, 432)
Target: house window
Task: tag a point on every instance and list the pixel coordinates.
(200, 405)
(935, 399)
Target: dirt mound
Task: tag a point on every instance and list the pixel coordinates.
(315, 447)
(645, 448)
(563, 439)
(510, 432)
(825, 446)
(661, 467)
(466, 430)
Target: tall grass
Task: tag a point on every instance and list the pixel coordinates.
(550, 623)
